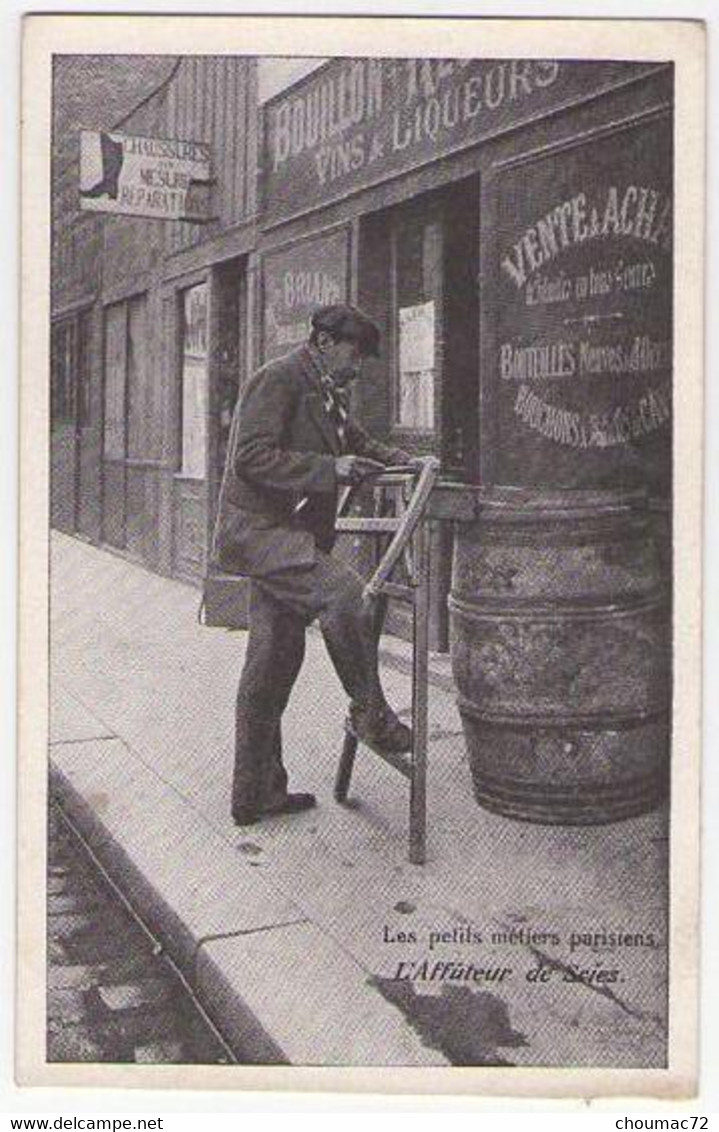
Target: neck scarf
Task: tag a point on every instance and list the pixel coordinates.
(336, 407)
(335, 400)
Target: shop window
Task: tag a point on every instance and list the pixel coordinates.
(69, 370)
(141, 413)
(230, 356)
(419, 279)
(115, 430)
(415, 400)
(132, 417)
(416, 289)
(84, 375)
(63, 373)
(194, 376)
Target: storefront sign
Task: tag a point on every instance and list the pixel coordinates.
(297, 280)
(161, 178)
(583, 348)
(359, 121)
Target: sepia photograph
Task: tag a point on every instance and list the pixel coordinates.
(362, 423)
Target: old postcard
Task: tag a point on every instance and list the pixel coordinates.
(360, 554)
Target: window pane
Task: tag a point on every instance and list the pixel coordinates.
(416, 366)
(63, 374)
(417, 288)
(416, 407)
(84, 361)
(115, 359)
(194, 381)
(140, 409)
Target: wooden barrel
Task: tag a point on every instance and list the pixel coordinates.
(561, 654)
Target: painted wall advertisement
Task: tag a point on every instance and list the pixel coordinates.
(582, 338)
(297, 280)
(357, 122)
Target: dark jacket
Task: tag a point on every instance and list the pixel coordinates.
(282, 450)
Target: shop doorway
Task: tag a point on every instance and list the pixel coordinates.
(231, 369)
(212, 316)
(74, 459)
(131, 426)
(89, 422)
(190, 480)
(114, 437)
(418, 278)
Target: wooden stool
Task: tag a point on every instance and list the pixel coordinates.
(409, 543)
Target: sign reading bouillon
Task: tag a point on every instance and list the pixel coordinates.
(583, 326)
(160, 178)
(356, 122)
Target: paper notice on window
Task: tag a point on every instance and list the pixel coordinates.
(416, 338)
(416, 366)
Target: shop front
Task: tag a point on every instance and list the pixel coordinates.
(72, 417)
(560, 598)
(206, 331)
(508, 225)
(75, 366)
(150, 301)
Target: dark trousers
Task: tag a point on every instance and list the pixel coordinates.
(282, 605)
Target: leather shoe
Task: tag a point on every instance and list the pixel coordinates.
(380, 729)
(290, 804)
(286, 804)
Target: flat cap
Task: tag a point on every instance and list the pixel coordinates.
(348, 324)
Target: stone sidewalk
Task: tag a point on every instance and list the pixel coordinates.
(311, 940)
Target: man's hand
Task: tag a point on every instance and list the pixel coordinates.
(407, 464)
(354, 469)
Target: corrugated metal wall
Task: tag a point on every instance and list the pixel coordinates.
(76, 237)
(205, 98)
(133, 245)
(214, 99)
(210, 99)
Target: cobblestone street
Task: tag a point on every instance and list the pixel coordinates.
(110, 996)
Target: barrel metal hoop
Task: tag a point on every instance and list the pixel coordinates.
(552, 811)
(515, 537)
(559, 722)
(528, 609)
(559, 501)
(518, 790)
